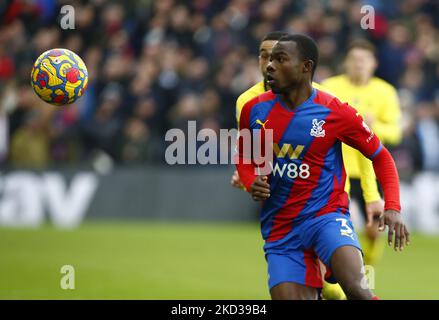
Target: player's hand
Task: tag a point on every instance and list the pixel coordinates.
(260, 189)
(374, 210)
(397, 227)
(235, 181)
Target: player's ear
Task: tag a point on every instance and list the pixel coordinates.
(307, 66)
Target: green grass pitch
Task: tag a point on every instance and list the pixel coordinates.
(149, 260)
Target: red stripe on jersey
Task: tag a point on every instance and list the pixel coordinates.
(313, 277)
(333, 200)
(299, 194)
(323, 98)
(338, 198)
(278, 120)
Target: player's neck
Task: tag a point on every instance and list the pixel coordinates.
(295, 97)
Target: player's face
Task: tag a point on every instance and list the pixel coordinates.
(360, 64)
(264, 56)
(286, 69)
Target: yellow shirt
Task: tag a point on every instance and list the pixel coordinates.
(379, 100)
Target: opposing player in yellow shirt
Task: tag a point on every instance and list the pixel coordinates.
(377, 101)
(330, 291)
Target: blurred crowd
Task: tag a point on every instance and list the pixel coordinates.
(154, 65)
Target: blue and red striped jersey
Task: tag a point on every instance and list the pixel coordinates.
(307, 177)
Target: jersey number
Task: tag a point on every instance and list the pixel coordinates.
(345, 230)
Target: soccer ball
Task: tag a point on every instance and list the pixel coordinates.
(59, 76)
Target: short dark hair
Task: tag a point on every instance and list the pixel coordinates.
(361, 44)
(307, 48)
(274, 36)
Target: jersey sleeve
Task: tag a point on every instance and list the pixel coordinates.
(353, 131)
(368, 179)
(385, 170)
